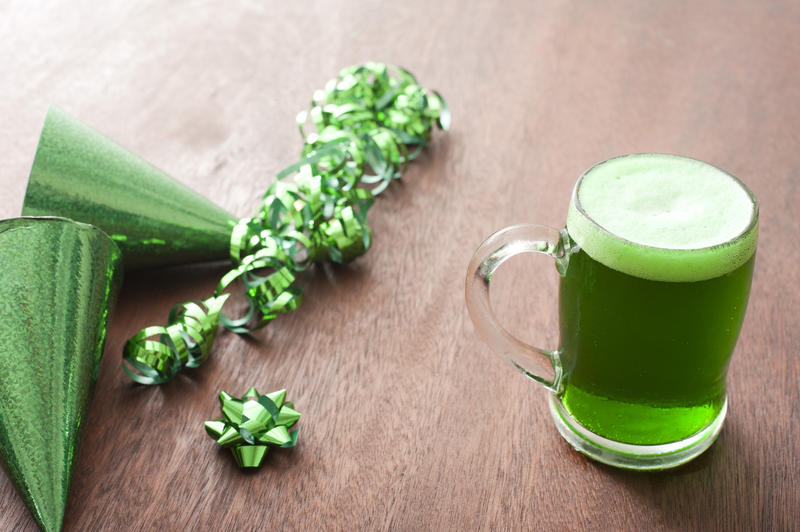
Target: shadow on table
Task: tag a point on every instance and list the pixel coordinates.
(170, 285)
(719, 490)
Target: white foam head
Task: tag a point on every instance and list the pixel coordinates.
(663, 217)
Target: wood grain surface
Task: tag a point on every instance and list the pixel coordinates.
(409, 422)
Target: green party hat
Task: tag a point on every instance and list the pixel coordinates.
(80, 174)
(58, 282)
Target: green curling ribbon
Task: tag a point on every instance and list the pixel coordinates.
(186, 341)
(368, 124)
(252, 423)
(269, 294)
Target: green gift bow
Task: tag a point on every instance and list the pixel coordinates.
(252, 423)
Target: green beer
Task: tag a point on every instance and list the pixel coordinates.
(658, 267)
(655, 264)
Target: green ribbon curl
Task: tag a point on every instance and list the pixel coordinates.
(252, 423)
(368, 124)
(186, 341)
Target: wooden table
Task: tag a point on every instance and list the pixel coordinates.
(409, 423)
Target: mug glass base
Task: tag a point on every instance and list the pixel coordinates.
(632, 456)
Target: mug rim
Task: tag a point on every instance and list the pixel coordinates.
(575, 200)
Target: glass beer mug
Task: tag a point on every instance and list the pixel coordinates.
(655, 266)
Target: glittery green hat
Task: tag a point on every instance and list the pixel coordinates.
(80, 174)
(58, 282)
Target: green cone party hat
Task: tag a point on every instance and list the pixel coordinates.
(58, 281)
(80, 174)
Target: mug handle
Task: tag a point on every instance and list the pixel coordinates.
(495, 250)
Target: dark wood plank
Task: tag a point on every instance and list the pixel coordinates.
(408, 422)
